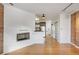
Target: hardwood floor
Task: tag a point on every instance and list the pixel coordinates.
(51, 47)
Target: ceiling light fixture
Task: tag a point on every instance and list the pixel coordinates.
(37, 19)
(67, 7)
(11, 4)
(43, 16)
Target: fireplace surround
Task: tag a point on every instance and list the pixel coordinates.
(23, 36)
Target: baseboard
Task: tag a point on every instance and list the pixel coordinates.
(75, 45)
(4, 53)
(61, 42)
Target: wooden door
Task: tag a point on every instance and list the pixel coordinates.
(75, 28)
(1, 28)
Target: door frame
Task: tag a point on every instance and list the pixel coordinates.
(2, 29)
(56, 25)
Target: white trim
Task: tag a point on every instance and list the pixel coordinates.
(75, 45)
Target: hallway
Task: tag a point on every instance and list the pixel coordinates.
(51, 47)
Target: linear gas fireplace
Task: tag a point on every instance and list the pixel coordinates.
(23, 36)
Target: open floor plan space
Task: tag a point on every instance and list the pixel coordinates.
(39, 28)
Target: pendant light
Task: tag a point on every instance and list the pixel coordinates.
(43, 16)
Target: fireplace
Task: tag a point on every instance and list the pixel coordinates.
(23, 36)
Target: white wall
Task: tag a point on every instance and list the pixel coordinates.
(19, 21)
(65, 28)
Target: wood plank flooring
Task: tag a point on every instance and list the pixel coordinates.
(51, 47)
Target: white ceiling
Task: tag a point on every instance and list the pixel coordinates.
(51, 10)
(73, 8)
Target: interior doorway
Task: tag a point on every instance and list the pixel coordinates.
(75, 28)
(53, 30)
(48, 27)
(56, 30)
(1, 28)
